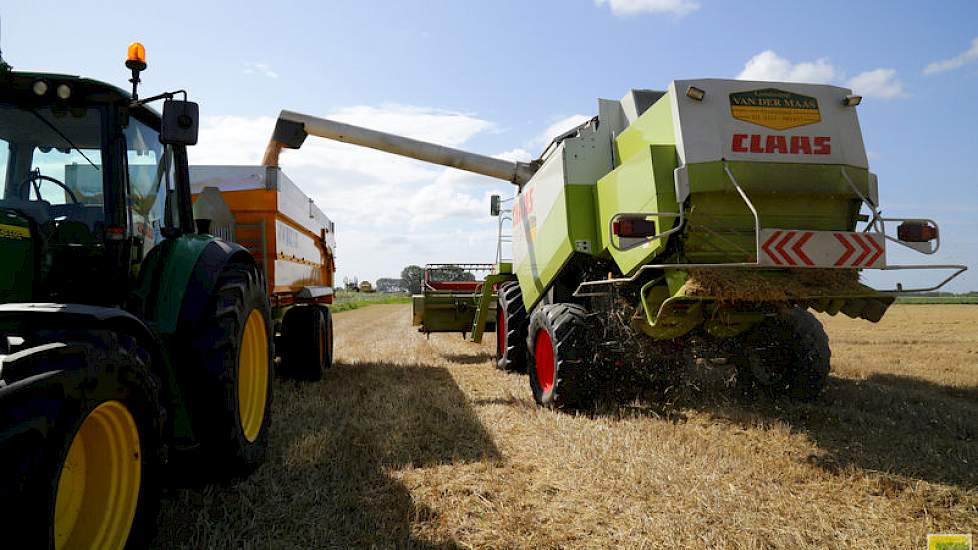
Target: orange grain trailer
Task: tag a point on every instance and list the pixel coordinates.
(261, 209)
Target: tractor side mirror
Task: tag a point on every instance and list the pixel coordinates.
(494, 205)
(180, 122)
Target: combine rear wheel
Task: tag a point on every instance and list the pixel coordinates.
(307, 342)
(560, 347)
(788, 354)
(510, 328)
(232, 357)
(84, 473)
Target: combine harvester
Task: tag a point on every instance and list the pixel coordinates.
(704, 220)
(136, 328)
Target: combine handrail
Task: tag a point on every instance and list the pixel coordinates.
(756, 263)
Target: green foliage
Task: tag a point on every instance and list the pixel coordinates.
(411, 277)
(387, 284)
(347, 300)
(451, 274)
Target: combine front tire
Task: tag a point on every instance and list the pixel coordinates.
(233, 355)
(307, 342)
(82, 469)
(560, 344)
(788, 354)
(510, 328)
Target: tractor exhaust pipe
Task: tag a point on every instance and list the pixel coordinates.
(291, 130)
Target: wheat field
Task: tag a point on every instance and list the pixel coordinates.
(411, 442)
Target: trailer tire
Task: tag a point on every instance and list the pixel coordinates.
(788, 355)
(232, 354)
(83, 466)
(559, 347)
(307, 342)
(511, 326)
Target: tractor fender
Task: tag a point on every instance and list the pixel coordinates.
(20, 381)
(26, 318)
(177, 277)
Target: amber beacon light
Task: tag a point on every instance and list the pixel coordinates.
(136, 58)
(136, 61)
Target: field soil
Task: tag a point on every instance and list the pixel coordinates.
(411, 442)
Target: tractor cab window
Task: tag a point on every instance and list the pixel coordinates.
(52, 169)
(152, 197)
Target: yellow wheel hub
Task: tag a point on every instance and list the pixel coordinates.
(98, 487)
(253, 375)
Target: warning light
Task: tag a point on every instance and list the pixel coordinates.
(136, 58)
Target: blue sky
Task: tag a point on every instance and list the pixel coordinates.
(495, 76)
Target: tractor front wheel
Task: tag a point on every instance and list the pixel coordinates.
(511, 324)
(307, 342)
(787, 355)
(84, 469)
(560, 345)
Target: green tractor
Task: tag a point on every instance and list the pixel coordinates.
(695, 224)
(127, 339)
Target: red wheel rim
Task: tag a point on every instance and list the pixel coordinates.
(544, 355)
(500, 332)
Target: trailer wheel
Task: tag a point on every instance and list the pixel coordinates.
(511, 324)
(788, 355)
(232, 356)
(307, 342)
(560, 344)
(83, 470)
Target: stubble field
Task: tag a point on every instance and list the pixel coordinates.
(417, 443)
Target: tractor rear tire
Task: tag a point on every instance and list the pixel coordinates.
(511, 326)
(307, 342)
(787, 355)
(560, 351)
(233, 372)
(83, 466)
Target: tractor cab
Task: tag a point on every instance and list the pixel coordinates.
(87, 189)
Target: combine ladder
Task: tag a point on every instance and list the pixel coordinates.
(502, 273)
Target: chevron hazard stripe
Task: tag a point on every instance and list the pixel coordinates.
(839, 249)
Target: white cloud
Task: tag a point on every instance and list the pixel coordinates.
(557, 128)
(635, 7)
(519, 154)
(389, 210)
(262, 69)
(879, 83)
(963, 58)
(768, 65)
(436, 125)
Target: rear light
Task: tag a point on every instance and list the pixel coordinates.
(115, 233)
(633, 228)
(916, 232)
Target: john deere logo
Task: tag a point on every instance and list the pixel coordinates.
(775, 109)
